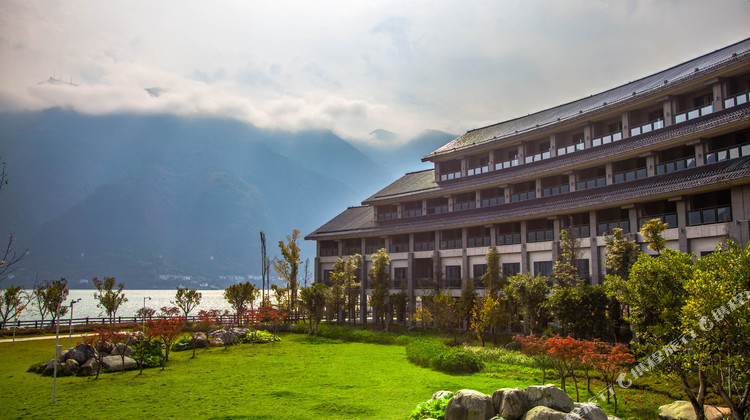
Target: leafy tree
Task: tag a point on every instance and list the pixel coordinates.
(101, 342)
(717, 309)
(423, 315)
(288, 267)
(652, 230)
(145, 313)
(313, 302)
(109, 299)
(565, 271)
(581, 310)
(280, 294)
(493, 279)
(50, 296)
(240, 294)
(379, 276)
(351, 285)
(621, 255)
(187, 299)
(611, 361)
(465, 304)
(565, 352)
(336, 298)
(536, 347)
(445, 313)
(10, 300)
(165, 330)
(400, 303)
(488, 315)
(529, 293)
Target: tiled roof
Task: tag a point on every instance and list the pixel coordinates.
(418, 184)
(359, 221)
(611, 98)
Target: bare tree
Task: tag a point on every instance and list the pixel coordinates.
(9, 256)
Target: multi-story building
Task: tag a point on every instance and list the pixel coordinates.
(674, 145)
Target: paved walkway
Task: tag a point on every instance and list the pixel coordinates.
(44, 337)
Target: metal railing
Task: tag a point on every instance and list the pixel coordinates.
(647, 128)
(711, 215)
(694, 113)
(728, 153)
(675, 165)
(735, 100)
(631, 175)
(606, 139)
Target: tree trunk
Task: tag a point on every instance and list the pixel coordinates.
(695, 401)
(737, 413)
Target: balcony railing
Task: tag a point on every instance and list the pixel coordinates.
(438, 209)
(606, 139)
(739, 99)
(424, 246)
(451, 283)
(371, 249)
(675, 165)
(557, 189)
(728, 153)
(352, 251)
(570, 149)
(538, 157)
(630, 175)
(605, 228)
(450, 244)
(669, 218)
(329, 252)
(539, 235)
(477, 171)
(494, 201)
(591, 183)
(398, 284)
(580, 231)
(466, 205)
(507, 164)
(412, 213)
(526, 195)
(450, 175)
(509, 238)
(481, 241)
(387, 216)
(694, 113)
(399, 247)
(647, 128)
(710, 215)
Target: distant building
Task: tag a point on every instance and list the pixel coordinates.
(674, 146)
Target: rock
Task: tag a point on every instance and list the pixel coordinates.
(226, 336)
(70, 367)
(89, 367)
(239, 332)
(200, 340)
(610, 417)
(105, 347)
(510, 403)
(49, 367)
(441, 394)
(549, 396)
(121, 348)
(115, 363)
(215, 341)
(546, 413)
(80, 353)
(683, 410)
(469, 405)
(589, 411)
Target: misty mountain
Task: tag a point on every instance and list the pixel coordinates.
(406, 157)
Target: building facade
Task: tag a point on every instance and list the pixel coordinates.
(674, 145)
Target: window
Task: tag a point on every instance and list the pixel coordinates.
(511, 269)
(327, 277)
(399, 243)
(542, 268)
(453, 276)
(478, 237)
(479, 270)
(329, 249)
(509, 233)
(465, 202)
(399, 278)
(424, 241)
(450, 239)
(387, 212)
(583, 269)
(372, 245)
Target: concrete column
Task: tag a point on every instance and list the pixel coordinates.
(538, 189)
(556, 238)
(451, 202)
(668, 111)
(506, 193)
(316, 274)
(741, 214)
(700, 158)
(625, 124)
(424, 207)
(682, 225)
(492, 160)
(464, 263)
(493, 236)
(651, 164)
(524, 253)
(464, 166)
(572, 181)
(553, 145)
(521, 154)
(437, 240)
(400, 210)
(437, 172)
(608, 177)
(411, 242)
(410, 283)
(592, 224)
(588, 135)
(387, 244)
(340, 246)
(633, 217)
(719, 94)
(594, 264)
(478, 198)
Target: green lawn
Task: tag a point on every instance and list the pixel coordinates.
(296, 378)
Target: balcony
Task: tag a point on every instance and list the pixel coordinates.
(451, 283)
(437, 209)
(449, 176)
(591, 183)
(605, 228)
(710, 215)
(403, 247)
(694, 113)
(557, 189)
(538, 157)
(478, 170)
(736, 100)
(412, 213)
(481, 241)
(675, 165)
(580, 231)
(669, 218)
(494, 201)
(630, 175)
(647, 128)
(539, 235)
(507, 164)
(606, 139)
(570, 149)
(728, 153)
(424, 246)
(329, 252)
(466, 205)
(450, 244)
(388, 216)
(397, 284)
(526, 195)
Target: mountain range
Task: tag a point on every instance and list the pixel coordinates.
(146, 198)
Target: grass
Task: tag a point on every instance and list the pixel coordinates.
(299, 377)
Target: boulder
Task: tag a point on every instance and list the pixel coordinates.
(469, 405)
(121, 348)
(49, 367)
(80, 353)
(510, 403)
(115, 363)
(239, 332)
(683, 410)
(589, 411)
(549, 396)
(227, 337)
(70, 367)
(89, 367)
(105, 347)
(546, 413)
(200, 340)
(611, 417)
(441, 394)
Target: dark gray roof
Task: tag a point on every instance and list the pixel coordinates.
(359, 221)
(611, 98)
(418, 184)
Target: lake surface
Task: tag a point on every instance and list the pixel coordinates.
(211, 299)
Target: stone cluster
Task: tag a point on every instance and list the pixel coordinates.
(82, 360)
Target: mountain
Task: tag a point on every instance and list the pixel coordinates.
(139, 196)
(401, 158)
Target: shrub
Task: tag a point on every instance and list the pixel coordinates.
(151, 351)
(433, 353)
(183, 343)
(259, 337)
(431, 409)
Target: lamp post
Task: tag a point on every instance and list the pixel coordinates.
(70, 325)
(144, 312)
(55, 361)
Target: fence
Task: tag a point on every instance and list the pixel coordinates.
(39, 324)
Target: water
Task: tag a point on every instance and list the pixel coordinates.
(211, 299)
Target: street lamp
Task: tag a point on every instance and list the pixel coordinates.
(143, 314)
(70, 326)
(57, 351)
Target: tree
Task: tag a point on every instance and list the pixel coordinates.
(423, 315)
(621, 255)
(169, 311)
(313, 302)
(336, 296)
(145, 313)
(50, 296)
(9, 258)
(487, 315)
(465, 304)
(400, 301)
(165, 330)
(10, 300)
(109, 299)
(581, 310)
(240, 294)
(565, 271)
(288, 267)
(445, 313)
(379, 276)
(529, 293)
(567, 353)
(611, 361)
(538, 349)
(492, 279)
(652, 230)
(101, 342)
(187, 299)
(351, 285)
(280, 295)
(717, 309)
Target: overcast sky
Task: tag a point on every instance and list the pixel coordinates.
(350, 66)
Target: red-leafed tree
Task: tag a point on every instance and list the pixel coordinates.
(538, 349)
(274, 316)
(610, 361)
(170, 311)
(567, 354)
(101, 341)
(165, 330)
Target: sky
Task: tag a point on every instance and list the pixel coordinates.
(353, 67)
